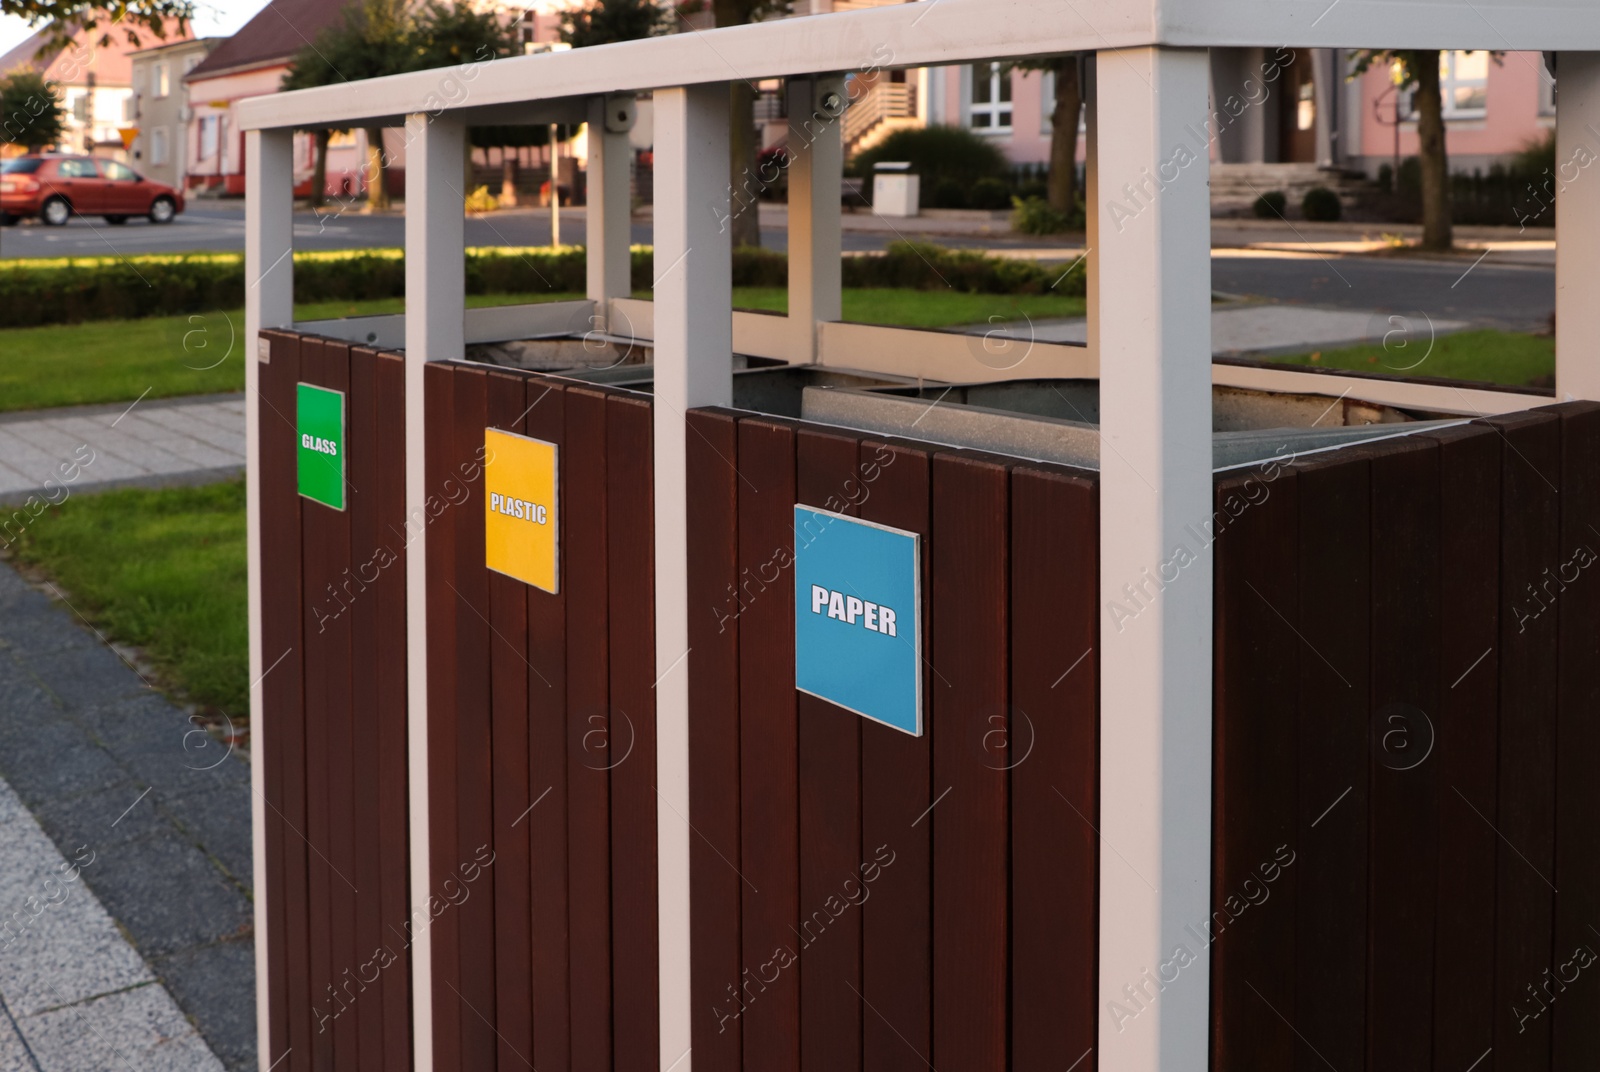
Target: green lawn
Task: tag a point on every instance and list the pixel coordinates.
(164, 571)
(118, 360)
(1486, 356)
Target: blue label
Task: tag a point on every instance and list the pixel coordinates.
(858, 617)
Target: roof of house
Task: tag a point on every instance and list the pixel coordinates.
(207, 43)
(276, 33)
(69, 63)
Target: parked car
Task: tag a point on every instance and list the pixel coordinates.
(54, 186)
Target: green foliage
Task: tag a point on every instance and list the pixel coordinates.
(926, 267)
(1034, 216)
(373, 39)
(31, 114)
(943, 193)
(1270, 205)
(941, 155)
(990, 194)
(67, 17)
(450, 35)
(1321, 205)
(605, 22)
(481, 200)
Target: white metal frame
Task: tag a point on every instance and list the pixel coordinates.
(1149, 331)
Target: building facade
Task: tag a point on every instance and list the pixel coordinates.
(160, 108)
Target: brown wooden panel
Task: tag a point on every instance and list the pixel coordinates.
(829, 783)
(630, 508)
(1333, 753)
(445, 492)
(769, 987)
(1251, 930)
(283, 716)
(365, 509)
(547, 759)
(1575, 1038)
(325, 535)
(474, 732)
(971, 576)
(1530, 544)
(1465, 747)
(508, 664)
(583, 484)
(896, 768)
(391, 726)
(1403, 868)
(1053, 734)
(712, 495)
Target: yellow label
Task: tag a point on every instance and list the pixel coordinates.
(521, 538)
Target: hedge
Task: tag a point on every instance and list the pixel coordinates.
(67, 291)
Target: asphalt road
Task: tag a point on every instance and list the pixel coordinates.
(1515, 297)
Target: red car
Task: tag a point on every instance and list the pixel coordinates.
(54, 186)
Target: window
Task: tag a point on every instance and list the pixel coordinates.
(76, 168)
(158, 147)
(208, 137)
(991, 98)
(22, 165)
(161, 85)
(1464, 84)
(1547, 92)
(118, 172)
(190, 64)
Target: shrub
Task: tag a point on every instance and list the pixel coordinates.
(1034, 216)
(989, 194)
(938, 153)
(1321, 204)
(926, 267)
(481, 200)
(946, 193)
(1270, 205)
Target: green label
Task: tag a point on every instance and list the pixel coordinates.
(319, 420)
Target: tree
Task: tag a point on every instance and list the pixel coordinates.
(31, 114)
(606, 22)
(743, 184)
(68, 17)
(1061, 189)
(1418, 69)
(372, 40)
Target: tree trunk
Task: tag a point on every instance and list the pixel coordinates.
(1436, 232)
(508, 178)
(744, 195)
(1062, 188)
(377, 171)
(319, 170)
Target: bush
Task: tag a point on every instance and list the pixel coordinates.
(481, 200)
(1270, 205)
(990, 194)
(938, 154)
(1321, 204)
(1034, 216)
(927, 267)
(946, 193)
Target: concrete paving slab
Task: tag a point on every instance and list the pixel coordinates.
(167, 895)
(216, 983)
(14, 1053)
(137, 1029)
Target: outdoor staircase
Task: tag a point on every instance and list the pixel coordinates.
(1235, 187)
(882, 109)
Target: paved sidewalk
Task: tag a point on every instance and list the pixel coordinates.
(108, 766)
(149, 443)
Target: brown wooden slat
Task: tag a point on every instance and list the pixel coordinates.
(474, 732)
(325, 533)
(896, 771)
(1054, 747)
(712, 495)
(1334, 751)
(1255, 528)
(1530, 543)
(1575, 1038)
(971, 576)
(289, 1000)
(829, 783)
(547, 758)
(769, 988)
(583, 483)
(1403, 869)
(1466, 744)
(445, 492)
(508, 662)
(630, 479)
(391, 727)
(364, 508)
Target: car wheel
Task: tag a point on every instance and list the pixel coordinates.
(118, 220)
(162, 210)
(56, 212)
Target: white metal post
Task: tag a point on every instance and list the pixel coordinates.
(1577, 223)
(436, 320)
(693, 367)
(610, 210)
(268, 303)
(1154, 297)
(816, 168)
(1091, 198)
